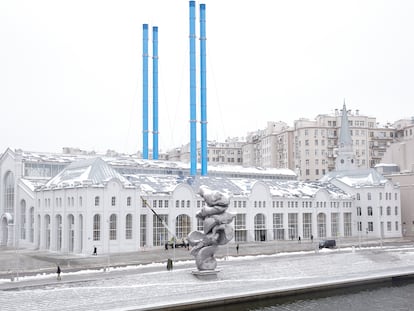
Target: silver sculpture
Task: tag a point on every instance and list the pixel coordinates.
(217, 229)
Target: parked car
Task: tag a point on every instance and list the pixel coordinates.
(327, 244)
(178, 243)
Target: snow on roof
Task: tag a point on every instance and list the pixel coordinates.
(88, 169)
(95, 171)
(134, 161)
(295, 189)
(358, 177)
(165, 184)
(32, 184)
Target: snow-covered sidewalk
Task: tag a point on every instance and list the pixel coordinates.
(152, 287)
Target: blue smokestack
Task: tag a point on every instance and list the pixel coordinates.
(193, 111)
(203, 84)
(155, 93)
(145, 91)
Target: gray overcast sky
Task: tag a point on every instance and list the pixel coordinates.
(70, 71)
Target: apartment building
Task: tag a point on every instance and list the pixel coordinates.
(228, 152)
(310, 146)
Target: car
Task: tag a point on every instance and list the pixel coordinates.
(178, 243)
(327, 244)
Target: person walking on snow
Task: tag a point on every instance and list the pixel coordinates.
(58, 273)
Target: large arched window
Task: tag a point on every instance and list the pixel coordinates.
(80, 235)
(260, 227)
(47, 231)
(31, 224)
(9, 193)
(293, 225)
(58, 232)
(97, 227)
(112, 227)
(321, 219)
(71, 232)
(23, 219)
(128, 227)
(182, 226)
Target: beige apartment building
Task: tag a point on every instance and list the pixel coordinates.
(310, 147)
(228, 152)
(399, 166)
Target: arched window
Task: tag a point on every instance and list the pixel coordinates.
(128, 201)
(112, 227)
(47, 231)
(358, 196)
(388, 210)
(321, 220)
(58, 232)
(80, 231)
(128, 227)
(71, 232)
(96, 226)
(23, 219)
(9, 193)
(260, 227)
(396, 211)
(31, 229)
(182, 226)
(359, 212)
(97, 201)
(369, 211)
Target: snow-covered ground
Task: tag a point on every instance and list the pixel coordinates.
(152, 286)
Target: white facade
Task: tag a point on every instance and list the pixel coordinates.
(90, 204)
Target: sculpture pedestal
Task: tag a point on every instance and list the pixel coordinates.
(206, 275)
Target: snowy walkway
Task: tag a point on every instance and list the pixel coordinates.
(153, 288)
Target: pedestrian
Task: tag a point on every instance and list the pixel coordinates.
(312, 238)
(299, 239)
(169, 264)
(237, 248)
(166, 246)
(58, 273)
(95, 251)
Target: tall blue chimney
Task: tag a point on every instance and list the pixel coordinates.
(155, 93)
(193, 112)
(203, 88)
(145, 91)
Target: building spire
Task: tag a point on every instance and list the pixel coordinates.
(345, 139)
(345, 158)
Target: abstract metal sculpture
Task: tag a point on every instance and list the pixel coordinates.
(217, 229)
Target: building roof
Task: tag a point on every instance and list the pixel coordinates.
(96, 172)
(133, 161)
(90, 171)
(356, 178)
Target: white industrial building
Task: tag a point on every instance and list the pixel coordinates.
(74, 203)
